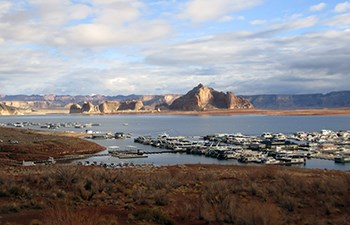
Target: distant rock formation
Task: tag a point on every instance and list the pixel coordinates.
(88, 107)
(75, 108)
(109, 106)
(106, 107)
(131, 105)
(340, 99)
(9, 110)
(203, 98)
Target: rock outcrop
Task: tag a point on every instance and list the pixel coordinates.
(9, 110)
(75, 108)
(109, 106)
(131, 105)
(88, 107)
(203, 98)
(106, 107)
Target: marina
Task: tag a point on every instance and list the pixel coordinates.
(316, 140)
(268, 148)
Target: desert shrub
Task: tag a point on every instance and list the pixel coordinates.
(10, 208)
(84, 192)
(20, 191)
(184, 209)
(4, 193)
(67, 175)
(215, 200)
(153, 215)
(161, 198)
(288, 202)
(318, 185)
(140, 196)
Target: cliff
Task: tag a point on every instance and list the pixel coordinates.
(203, 98)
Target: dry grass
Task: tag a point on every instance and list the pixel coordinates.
(174, 195)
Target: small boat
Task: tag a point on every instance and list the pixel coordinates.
(341, 159)
(112, 149)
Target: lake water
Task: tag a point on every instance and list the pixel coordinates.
(181, 125)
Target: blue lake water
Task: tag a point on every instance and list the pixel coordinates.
(181, 125)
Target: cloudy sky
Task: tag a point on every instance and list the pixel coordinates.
(125, 47)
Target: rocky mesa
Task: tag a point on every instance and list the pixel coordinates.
(106, 107)
(203, 98)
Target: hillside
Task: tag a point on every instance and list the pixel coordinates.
(186, 195)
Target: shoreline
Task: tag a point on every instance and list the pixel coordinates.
(217, 112)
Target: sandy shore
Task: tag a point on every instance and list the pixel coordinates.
(298, 112)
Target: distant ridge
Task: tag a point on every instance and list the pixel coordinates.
(339, 99)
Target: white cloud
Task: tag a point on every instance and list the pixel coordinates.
(207, 10)
(253, 62)
(100, 35)
(107, 22)
(318, 7)
(111, 46)
(342, 7)
(257, 22)
(342, 20)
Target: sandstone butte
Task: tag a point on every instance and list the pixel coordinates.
(202, 98)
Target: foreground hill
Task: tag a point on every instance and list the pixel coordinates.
(186, 195)
(23, 144)
(203, 98)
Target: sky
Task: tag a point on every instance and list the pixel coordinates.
(112, 47)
